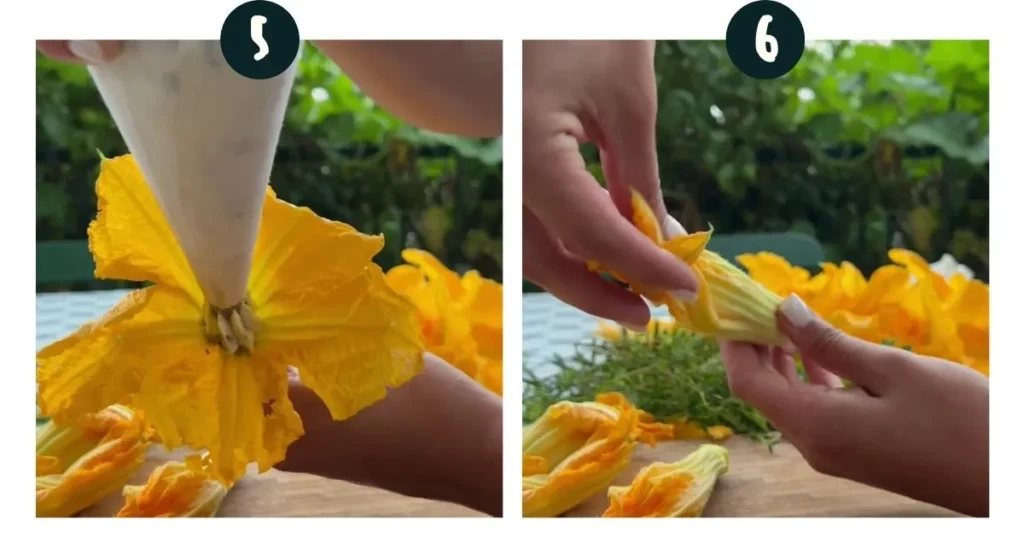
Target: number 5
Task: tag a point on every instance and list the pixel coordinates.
(766, 45)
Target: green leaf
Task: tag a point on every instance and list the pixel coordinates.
(950, 133)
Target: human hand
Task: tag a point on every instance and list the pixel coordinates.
(436, 437)
(911, 425)
(89, 52)
(601, 92)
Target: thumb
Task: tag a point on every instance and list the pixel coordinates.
(859, 361)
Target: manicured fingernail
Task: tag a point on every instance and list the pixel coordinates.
(633, 327)
(89, 51)
(672, 227)
(795, 311)
(685, 296)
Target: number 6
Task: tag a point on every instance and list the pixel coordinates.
(766, 45)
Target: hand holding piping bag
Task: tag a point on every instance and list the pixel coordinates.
(408, 455)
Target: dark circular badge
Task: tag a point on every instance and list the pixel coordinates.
(765, 39)
(259, 39)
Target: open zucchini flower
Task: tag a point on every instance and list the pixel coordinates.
(576, 450)
(729, 303)
(218, 379)
(175, 489)
(64, 489)
(460, 316)
(679, 489)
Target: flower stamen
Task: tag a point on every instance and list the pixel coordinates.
(233, 328)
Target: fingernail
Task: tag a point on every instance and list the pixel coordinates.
(89, 51)
(685, 296)
(633, 327)
(672, 227)
(795, 311)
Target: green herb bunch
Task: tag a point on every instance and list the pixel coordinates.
(670, 374)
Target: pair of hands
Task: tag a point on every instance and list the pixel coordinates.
(913, 425)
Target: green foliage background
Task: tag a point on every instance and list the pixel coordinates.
(340, 155)
(863, 145)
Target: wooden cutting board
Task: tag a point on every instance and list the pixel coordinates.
(279, 494)
(772, 484)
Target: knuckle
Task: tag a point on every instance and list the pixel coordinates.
(740, 386)
(826, 340)
(590, 246)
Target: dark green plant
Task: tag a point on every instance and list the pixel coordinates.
(673, 374)
(866, 146)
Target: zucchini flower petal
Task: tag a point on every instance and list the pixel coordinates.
(60, 445)
(566, 427)
(585, 446)
(100, 472)
(685, 430)
(655, 327)
(679, 489)
(729, 303)
(460, 316)
(175, 489)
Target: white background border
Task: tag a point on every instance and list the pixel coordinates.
(512, 21)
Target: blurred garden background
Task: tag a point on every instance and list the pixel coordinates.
(864, 146)
(339, 154)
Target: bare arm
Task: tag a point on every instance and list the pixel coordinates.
(451, 87)
(436, 437)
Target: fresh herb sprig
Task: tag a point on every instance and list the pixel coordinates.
(670, 374)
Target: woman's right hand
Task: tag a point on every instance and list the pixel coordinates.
(602, 92)
(88, 52)
(912, 425)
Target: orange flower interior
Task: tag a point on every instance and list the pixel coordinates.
(680, 489)
(175, 490)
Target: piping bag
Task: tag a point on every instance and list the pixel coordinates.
(204, 137)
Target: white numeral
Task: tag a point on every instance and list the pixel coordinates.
(256, 33)
(766, 45)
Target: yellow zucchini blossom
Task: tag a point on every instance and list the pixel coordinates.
(729, 303)
(64, 489)
(218, 380)
(575, 450)
(906, 303)
(460, 316)
(679, 489)
(60, 445)
(614, 333)
(685, 430)
(175, 489)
